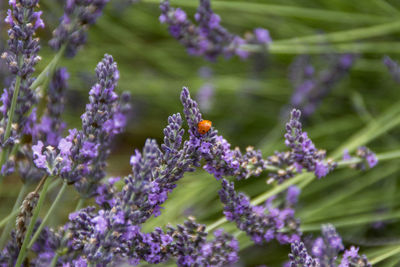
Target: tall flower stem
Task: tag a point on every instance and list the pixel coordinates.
(10, 118)
(49, 212)
(80, 204)
(347, 35)
(11, 218)
(15, 212)
(49, 69)
(22, 253)
(13, 153)
(12, 108)
(54, 260)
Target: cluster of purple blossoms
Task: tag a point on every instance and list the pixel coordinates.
(80, 158)
(10, 252)
(78, 16)
(208, 38)
(393, 68)
(327, 248)
(299, 256)
(303, 154)
(21, 57)
(4, 78)
(49, 128)
(311, 87)
(220, 159)
(113, 232)
(127, 243)
(265, 222)
(352, 258)
(23, 20)
(363, 152)
(325, 251)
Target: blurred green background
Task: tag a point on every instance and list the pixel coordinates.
(247, 109)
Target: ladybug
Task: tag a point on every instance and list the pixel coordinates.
(204, 126)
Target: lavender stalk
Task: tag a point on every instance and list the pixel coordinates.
(22, 253)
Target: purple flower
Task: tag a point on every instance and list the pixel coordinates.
(299, 256)
(369, 158)
(72, 31)
(310, 87)
(262, 36)
(346, 155)
(104, 117)
(208, 38)
(292, 194)
(100, 223)
(351, 258)
(327, 247)
(372, 160)
(21, 57)
(393, 68)
(39, 158)
(64, 146)
(302, 155)
(321, 169)
(180, 15)
(261, 223)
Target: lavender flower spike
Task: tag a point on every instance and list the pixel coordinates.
(104, 118)
(21, 57)
(352, 258)
(327, 248)
(304, 154)
(72, 31)
(299, 256)
(310, 86)
(261, 223)
(208, 38)
(80, 158)
(393, 68)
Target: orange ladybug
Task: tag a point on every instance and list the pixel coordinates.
(204, 126)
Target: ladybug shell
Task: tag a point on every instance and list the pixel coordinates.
(204, 126)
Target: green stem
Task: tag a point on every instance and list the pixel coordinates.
(296, 48)
(80, 204)
(386, 255)
(47, 216)
(54, 260)
(11, 112)
(48, 69)
(15, 212)
(347, 35)
(12, 108)
(10, 218)
(353, 221)
(13, 153)
(22, 252)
